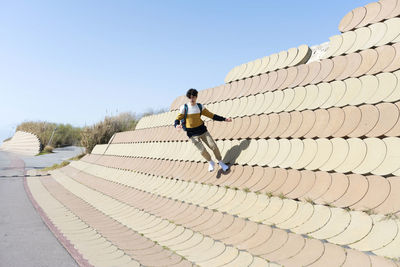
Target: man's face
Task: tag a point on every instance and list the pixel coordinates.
(193, 99)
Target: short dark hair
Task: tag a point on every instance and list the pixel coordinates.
(191, 92)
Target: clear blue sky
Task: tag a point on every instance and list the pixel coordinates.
(77, 61)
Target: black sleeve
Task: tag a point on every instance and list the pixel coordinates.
(177, 122)
(218, 118)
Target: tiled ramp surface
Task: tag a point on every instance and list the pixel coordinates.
(22, 143)
(314, 150)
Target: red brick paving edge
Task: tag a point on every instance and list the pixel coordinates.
(75, 254)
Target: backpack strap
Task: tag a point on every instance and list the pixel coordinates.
(200, 107)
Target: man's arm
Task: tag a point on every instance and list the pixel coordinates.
(178, 119)
(212, 115)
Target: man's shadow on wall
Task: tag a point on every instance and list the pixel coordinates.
(231, 156)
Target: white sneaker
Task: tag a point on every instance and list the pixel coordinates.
(211, 165)
(223, 166)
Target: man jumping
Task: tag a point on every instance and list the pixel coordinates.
(190, 115)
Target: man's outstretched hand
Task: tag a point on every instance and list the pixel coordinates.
(228, 119)
(178, 127)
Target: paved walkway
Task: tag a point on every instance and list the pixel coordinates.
(24, 239)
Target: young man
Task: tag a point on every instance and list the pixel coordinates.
(197, 131)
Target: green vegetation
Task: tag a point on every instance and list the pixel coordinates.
(78, 157)
(56, 166)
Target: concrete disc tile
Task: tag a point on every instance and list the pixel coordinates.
(376, 153)
(391, 162)
(254, 124)
(313, 70)
(264, 64)
(288, 209)
(387, 7)
(303, 55)
(236, 127)
(291, 55)
(391, 204)
(297, 148)
(334, 44)
(369, 58)
(249, 150)
(319, 218)
(378, 191)
(193, 241)
(273, 149)
(345, 21)
(302, 214)
(326, 68)
(302, 71)
(292, 181)
(349, 39)
(356, 258)
(340, 184)
(269, 98)
(336, 120)
(262, 152)
(220, 129)
(274, 206)
(359, 227)
(311, 96)
(378, 31)
(307, 123)
(272, 62)
(291, 76)
(323, 181)
(363, 36)
(306, 183)
(231, 74)
(278, 180)
(293, 246)
(395, 65)
(257, 67)
(333, 255)
(353, 90)
(276, 241)
(250, 201)
(324, 152)
(278, 99)
(229, 255)
(254, 88)
(263, 233)
(369, 118)
(356, 155)
(244, 130)
(263, 177)
(382, 233)
(358, 15)
(288, 96)
(352, 120)
(337, 95)
(282, 56)
(206, 252)
(311, 252)
(392, 31)
(392, 249)
(263, 82)
(357, 189)
(339, 65)
(321, 122)
(324, 93)
(370, 86)
(299, 96)
(241, 71)
(373, 10)
(380, 261)
(284, 122)
(283, 153)
(309, 153)
(243, 259)
(396, 11)
(386, 55)
(387, 86)
(247, 86)
(296, 119)
(339, 221)
(242, 106)
(395, 131)
(273, 122)
(258, 105)
(353, 63)
(249, 70)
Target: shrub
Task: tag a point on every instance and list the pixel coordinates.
(101, 132)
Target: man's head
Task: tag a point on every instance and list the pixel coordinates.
(192, 95)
